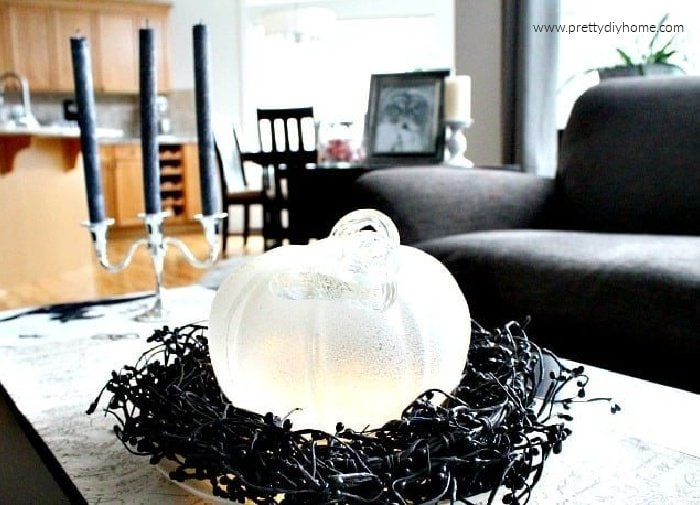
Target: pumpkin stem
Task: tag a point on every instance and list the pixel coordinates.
(355, 263)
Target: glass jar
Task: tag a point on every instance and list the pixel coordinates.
(339, 141)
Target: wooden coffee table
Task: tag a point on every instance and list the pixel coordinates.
(649, 452)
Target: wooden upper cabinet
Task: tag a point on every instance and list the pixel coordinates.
(35, 41)
(66, 24)
(4, 66)
(160, 24)
(118, 60)
(117, 63)
(29, 45)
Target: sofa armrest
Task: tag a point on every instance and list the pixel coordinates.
(431, 202)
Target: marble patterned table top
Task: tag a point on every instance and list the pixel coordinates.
(649, 452)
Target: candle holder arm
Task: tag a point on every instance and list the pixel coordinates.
(98, 234)
(211, 227)
(156, 244)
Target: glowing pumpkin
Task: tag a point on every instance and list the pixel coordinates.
(347, 329)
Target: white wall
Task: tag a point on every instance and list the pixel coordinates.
(331, 80)
(478, 54)
(223, 20)
(359, 9)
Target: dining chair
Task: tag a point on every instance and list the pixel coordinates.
(287, 144)
(234, 184)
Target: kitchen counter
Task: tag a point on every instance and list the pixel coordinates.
(104, 135)
(162, 139)
(43, 193)
(14, 139)
(43, 197)
(58, 132)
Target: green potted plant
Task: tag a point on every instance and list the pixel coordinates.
(655, 61)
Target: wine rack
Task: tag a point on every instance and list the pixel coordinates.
(172, 180)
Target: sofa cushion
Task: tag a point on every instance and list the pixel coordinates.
(430, 202)
(627, 302)
(630, 157)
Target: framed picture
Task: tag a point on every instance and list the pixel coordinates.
(405, 118)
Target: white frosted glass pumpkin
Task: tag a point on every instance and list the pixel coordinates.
(347, 329)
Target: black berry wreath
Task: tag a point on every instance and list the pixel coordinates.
(489, 434)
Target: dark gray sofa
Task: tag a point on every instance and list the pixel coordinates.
(605, 257)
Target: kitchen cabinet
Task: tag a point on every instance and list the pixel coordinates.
(43, 204)
(193, 200)
(123, 182)
(160, 24)
(117, 63)
(27, 45)
(3, 50)
(35, 41)
(128, 186)
(66, 23)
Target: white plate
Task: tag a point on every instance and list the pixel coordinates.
(199, 488)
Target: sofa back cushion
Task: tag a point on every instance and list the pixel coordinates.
(630, 157)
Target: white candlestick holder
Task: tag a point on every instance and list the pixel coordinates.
(157, 243)
(456, 142)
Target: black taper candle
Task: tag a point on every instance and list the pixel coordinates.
(85, 99)
(205, 136)
(149, 119)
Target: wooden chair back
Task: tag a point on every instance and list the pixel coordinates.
(288, 143)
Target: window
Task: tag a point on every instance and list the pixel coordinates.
(581, 52)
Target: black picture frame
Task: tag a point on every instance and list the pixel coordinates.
(405, 119)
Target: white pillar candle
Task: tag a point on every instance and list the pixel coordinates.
(458, 95)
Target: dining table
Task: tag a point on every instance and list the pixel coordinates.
(321, 193)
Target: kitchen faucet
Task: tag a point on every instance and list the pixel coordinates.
(26, 119)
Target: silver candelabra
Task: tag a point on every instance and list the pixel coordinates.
(456, 142)
(156, 242)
